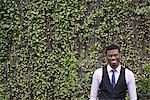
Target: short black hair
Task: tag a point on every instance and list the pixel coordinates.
(112, 47)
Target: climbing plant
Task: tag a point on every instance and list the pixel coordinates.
(50, 48)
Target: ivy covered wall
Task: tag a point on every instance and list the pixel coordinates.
(49, 49)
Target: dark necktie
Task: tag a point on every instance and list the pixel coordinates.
(113, 78)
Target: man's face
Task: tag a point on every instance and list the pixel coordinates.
(113, 57)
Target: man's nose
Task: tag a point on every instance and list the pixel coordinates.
(113, 57)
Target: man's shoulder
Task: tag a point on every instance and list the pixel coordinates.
(128, 71)
(98, 70)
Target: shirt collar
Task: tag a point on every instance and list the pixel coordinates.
(117, 69)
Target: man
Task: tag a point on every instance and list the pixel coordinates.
(112, 81)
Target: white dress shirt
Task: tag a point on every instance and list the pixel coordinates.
(129, 77)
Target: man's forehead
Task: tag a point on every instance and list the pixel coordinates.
(114, 51)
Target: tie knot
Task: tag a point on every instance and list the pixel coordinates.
(113, 70)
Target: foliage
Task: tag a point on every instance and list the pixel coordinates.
(50, 49)
(143, 81)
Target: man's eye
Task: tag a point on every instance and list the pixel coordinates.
(116, 55)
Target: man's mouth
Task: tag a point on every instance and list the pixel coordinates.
(114, 62)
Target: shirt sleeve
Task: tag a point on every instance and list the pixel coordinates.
(131, 85)
(95, 84)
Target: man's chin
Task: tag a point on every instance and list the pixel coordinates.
(114, 65)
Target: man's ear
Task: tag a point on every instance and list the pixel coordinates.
(105, 57)
(120, 55)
